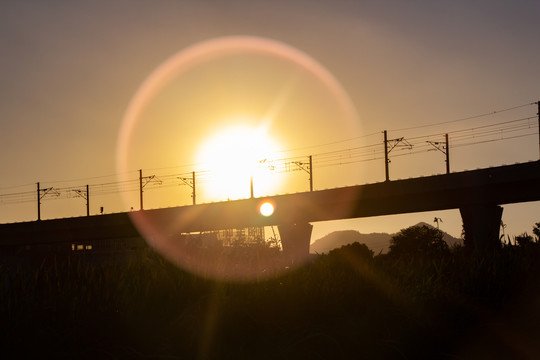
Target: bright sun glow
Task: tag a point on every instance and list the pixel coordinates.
(266, 209)
(235, 156)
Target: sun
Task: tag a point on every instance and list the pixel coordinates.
(236, 160)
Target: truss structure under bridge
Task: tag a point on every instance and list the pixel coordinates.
(229, 237)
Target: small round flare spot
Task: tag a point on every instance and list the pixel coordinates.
(266, 208)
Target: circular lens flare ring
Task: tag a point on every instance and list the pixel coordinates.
(174, 67)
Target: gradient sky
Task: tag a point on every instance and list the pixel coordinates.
(68, 70)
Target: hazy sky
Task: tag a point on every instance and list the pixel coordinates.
(68, 70)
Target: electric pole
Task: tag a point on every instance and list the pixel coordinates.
(445, 149)
(193, 187)
(40, 196)
(307, 168)
(386, 160)
(140, 188)
(85, 196)
(310, 173)
(147, 180)
(447, 154)
(191, 183)
(38, 202)
(399, 142)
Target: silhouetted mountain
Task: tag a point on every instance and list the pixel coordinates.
(378, 242)
(375, 241)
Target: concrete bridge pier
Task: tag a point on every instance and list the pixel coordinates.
(295, 240)
(481, 223)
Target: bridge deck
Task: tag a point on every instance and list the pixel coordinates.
(494, 186)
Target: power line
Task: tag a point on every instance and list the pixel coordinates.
(493, 140)
(475, 128)
(465, 118)
(328, 144)
(504, 130)
(332, 158)
(17, 186)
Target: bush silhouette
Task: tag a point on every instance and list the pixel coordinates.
(524, 240)
(360, 251)
(417, 241)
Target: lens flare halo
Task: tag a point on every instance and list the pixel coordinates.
(177, 66)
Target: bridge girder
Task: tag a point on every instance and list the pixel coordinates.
(477, 189)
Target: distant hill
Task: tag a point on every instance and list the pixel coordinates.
(378, 242)
(375, 241)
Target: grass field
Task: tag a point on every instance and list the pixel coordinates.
(347, 304)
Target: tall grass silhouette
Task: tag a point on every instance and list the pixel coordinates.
(345, 304)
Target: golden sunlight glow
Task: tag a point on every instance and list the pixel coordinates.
(266, 208)
(235, 158)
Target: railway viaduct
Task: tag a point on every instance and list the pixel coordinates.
(478, 194)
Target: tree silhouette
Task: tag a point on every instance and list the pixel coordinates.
(417, 241)
(524, 240)
(536, 231)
